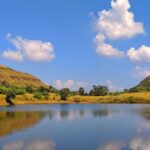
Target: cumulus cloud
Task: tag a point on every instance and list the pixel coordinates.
(113, 87)
(71, 84)
(141, 54)
(115, 23)
(60, 85)
(35, 50)
(105, 49)
(82, 84)
(14, 55)
(141, 72)
(118, 22)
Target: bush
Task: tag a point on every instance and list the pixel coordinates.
(81, 91)
(29, 89)
(38, 95)
(99, 90)
(9, 97)
(64, 93)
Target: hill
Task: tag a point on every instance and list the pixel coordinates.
(144, 85)
(15, 78)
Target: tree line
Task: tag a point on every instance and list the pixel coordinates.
(44, 92)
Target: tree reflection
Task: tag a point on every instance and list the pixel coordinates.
(61, 114)
(14, 121)
(145, 113)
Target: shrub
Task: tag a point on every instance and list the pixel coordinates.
(38, 95)
(9, 97)
(64, 93)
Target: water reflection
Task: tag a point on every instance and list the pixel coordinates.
(30, 145)
(140, 144)
(13, 121)
(112, 146)
(137, 143)
(75, 127)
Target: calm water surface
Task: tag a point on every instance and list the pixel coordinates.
(75, 127)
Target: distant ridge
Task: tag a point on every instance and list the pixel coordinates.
(18, 79)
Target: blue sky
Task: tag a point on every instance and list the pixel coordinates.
(54, 40)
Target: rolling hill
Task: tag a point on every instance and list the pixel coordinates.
(144, 85)
(15, 78)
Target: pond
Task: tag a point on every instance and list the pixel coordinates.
(75, 127)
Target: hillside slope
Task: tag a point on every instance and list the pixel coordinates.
(144, 85)
(14, 78)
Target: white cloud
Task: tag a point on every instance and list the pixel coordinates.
(82, 84)
(105, 49)
(35, 50)
(141, 54)
(141, 72)
(59, 84)
(113, 87)
(14, 55)
(71, 84)
(118, 22)
(115, 23)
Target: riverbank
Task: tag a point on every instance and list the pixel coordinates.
(140, 98)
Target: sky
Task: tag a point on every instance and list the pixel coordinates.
(74, 43)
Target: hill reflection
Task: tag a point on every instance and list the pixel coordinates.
(13, 121)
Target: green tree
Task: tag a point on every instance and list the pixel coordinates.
(99, 90)
(81, 91)
(9, 97)
(64, 93)
(52, 89)
(43, 89)
(29, 89)
(38, 95)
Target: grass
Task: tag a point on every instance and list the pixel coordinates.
(19, 79)
(122, 98)
(143, 97)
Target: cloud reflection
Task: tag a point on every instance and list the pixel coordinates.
(18, 145)
(140, 144)
(30, 145)
(112, 146)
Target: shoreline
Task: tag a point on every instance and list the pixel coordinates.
(125, 98)
(61, 102)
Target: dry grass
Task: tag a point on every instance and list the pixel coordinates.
(19, 79)
(122, 98)
(55, 99)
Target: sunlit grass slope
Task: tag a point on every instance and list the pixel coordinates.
(18, 79)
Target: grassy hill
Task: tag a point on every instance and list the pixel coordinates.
(15, 78)
(144, 85)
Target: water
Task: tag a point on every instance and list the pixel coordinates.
(75, 127)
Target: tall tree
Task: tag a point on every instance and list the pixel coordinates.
(99, 90)
(64, 93)
(81, 91)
